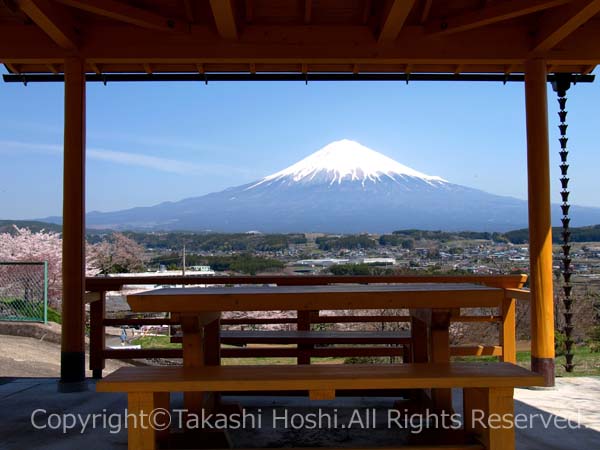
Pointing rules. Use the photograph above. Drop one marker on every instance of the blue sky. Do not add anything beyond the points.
(152, 142)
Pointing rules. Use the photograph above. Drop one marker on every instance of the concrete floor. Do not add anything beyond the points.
(574, 398)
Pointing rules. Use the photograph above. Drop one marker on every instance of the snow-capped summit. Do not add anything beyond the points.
(346, 160)
(344, 187)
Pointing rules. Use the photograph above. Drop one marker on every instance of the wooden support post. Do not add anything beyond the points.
(72, 364)
(141, 434)
(420, 347)
(489, 413)
(193, 356)
(201, 346)
(540, 227)
(508, 339)
(97, 335)
(431, 343)
(212, 343)
(304, 324)
(321, 394)
(439, 348)
(212, 357)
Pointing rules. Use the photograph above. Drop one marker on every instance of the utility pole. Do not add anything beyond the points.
(183, 262)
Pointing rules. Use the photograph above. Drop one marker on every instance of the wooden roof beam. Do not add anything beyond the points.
(307, 11)
(12, 68)
(495, 12)
(509, 69)
(188, 5)
(556, 25)
(366, 14)
(114, 45)
(124, 12)
(54, 20)
(395, 19)
(224, 15)
(588, 69)
(95, 67)
(426, 10)
(249, 7)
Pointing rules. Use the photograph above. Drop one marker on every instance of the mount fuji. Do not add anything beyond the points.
(344, 187)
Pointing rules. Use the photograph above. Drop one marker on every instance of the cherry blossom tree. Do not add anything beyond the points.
(118, 254)
(25, 245)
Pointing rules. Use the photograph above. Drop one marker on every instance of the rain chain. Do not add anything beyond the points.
(560, 86)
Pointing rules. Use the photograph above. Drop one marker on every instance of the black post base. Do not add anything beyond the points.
(545, 367)
(72, 372)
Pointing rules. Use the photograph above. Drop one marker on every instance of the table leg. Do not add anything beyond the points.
(489, 413)
(193, 356)
(212, 357)
(419, 338)
(201, 347)
(212, 343)
(431, 343)
(141, 435)
(304, 324)
(439, 344)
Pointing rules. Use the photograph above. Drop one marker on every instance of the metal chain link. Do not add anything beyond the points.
(24, 291)
(560, 87)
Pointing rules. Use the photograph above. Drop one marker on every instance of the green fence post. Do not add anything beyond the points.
(45, 292)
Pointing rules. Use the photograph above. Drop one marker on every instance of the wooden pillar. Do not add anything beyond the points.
(73, 312)
(540, 227)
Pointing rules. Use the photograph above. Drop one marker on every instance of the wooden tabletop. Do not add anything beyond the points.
(270, 298)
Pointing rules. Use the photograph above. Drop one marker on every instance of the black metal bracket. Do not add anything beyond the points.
(558, 79)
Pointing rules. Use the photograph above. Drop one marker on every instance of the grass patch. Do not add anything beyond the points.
(587, 363)
(162, 342)
(54, 315)
(155, 342)
(24, 310)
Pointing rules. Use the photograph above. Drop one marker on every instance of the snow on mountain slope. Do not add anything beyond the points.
(346, 160)
(344, 187)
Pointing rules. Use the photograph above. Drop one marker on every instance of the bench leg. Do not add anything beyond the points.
(141, 435)
(489, 414)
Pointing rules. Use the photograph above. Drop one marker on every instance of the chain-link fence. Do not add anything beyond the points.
(24, 291)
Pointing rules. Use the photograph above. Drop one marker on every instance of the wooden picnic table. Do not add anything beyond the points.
(431, 306)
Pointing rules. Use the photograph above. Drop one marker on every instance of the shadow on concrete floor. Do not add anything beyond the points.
(21, 397)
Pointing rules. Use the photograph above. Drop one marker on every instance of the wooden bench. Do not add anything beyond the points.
(486, 386)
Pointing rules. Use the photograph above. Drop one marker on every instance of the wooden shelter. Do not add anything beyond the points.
(298, 39)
